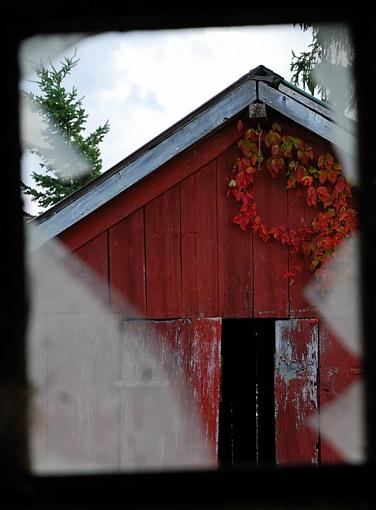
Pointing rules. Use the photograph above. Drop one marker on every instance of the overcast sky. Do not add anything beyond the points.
(143, 82)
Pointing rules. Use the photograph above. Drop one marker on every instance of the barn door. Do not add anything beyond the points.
(295, 386)
(169, 387)
(246, 431)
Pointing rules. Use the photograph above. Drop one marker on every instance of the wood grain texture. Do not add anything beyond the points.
(169, 393)
(338, 370)
(91, 269)
(295, 386)
(76, 425)
(300, 215)
(307, 117)
(174, 339)
(163, 256)
(150, 187)
(155, 427)
(127, 265)
(205, 375)
(199, 243)
(270, 259)
(235, 263)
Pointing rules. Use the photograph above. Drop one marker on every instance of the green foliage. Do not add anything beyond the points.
(332, 45)
(64, 120)
(303, 65)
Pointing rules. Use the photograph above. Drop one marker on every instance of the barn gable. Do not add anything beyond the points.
(260, 84)
(158, 229)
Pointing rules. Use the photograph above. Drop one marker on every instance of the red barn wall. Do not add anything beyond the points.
(167, 248)
(170, 248)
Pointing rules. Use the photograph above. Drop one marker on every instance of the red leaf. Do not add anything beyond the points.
(329, 160)
(311, 196)
(332, 175)
(307, 180)
(240, 125)
(324, 195)
(340, 184)
(323, 175)
(277, 233)
(300, 172)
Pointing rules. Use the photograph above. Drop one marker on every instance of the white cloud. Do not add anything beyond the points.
(143, 82)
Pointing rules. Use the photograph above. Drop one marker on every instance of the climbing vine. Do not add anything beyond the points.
(319, 174)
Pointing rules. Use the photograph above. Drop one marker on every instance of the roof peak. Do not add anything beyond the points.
(259, 84)
(262, 70)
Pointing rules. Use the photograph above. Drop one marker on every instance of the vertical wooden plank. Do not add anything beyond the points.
(205, 375)
(92, 267)
(159, 424)
(174, 340)
(338, 370)
(295, 387)
(167, 176)
(199, 243)
(74, 345)
(300, 215)
(235, 264)
(127, 265)
(163, 255)
(270, 259)
(146, 400)
(80, 413)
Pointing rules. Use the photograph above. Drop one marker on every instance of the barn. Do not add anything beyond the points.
(159, 230)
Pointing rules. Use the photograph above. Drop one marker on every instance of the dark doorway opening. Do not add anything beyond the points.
(246, 416)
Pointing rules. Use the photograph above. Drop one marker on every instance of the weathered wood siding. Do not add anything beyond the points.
(338, 370)
(172, 249)
(144, 395)
(270, 293)
(296, 371)
(167, 249)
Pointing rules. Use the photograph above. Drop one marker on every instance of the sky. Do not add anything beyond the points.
(143, 82)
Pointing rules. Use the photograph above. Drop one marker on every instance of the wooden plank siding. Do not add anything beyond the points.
(170, 388)
(295, 386)
(93, 270)
(270, 260)
(163, 256)
(235, 261)
(174, 251)
(339, 369)
(205, 375)
(127, 265)
(155, 422)
(172, 264)
(299, 215)
(199, 257)
(75, 406)
(142, 193)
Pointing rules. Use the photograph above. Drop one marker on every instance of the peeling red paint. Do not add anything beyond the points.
(296, 361)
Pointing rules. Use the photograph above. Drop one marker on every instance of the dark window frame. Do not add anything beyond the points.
(342, 487)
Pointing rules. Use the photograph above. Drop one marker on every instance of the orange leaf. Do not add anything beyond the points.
(311, 196)
(340, 184)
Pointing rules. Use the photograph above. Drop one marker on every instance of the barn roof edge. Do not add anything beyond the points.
(259, 84)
